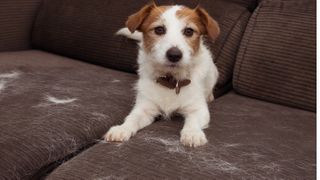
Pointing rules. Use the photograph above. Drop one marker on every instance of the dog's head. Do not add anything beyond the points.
(172, 34)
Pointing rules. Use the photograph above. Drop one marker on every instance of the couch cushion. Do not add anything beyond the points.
(85, 30)
(53, 106)
(248, 139)
(16, 19)
(277, 58)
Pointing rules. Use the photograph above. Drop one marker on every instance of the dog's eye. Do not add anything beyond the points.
(188, 32)
(160, 30)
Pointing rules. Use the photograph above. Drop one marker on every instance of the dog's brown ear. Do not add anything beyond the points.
(135, 21)
(211, 26)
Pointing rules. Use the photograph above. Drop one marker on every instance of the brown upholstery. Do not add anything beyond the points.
(35, 132)
(226, 48)
(248, 139)
(54, 108)
(277, 56)
(16, 21)
(85, 30)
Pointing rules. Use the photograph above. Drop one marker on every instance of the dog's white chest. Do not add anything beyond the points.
(167, 99)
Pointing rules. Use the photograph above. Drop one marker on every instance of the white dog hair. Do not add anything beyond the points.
(159, 29)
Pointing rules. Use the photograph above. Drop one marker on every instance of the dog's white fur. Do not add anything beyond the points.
(153, 99)
(125, 32)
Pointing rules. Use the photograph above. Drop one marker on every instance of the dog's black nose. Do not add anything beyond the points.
(174, 54)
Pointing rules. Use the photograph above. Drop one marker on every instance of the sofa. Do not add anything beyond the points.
(65, 79)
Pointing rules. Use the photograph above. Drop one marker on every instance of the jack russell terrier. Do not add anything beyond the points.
(176, 70)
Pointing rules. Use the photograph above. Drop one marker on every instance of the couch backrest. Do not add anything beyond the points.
(16, 20)
(85, 30)
(277, 58)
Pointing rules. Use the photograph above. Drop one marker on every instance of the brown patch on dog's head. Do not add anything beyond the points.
(142, 21)
(211, 26)
(147, 26)
(194, 22)
(202, 22)
(135, 21)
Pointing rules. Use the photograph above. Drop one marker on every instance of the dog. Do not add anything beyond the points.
(176, 70)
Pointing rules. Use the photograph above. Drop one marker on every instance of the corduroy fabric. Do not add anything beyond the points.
(226, 50)
(36, 127)
(16, 21)
(248, 139)
(85, 30)
(277, 58)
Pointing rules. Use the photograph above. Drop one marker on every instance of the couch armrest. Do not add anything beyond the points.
(16, 20)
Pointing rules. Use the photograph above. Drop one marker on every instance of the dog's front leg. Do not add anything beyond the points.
(141, 116)
(196, 119)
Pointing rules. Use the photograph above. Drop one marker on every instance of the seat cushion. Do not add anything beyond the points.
(85, 30)
(277, 57)
(248, 139)
(53, 106)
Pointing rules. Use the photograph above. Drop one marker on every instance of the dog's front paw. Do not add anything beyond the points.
(118, 133)
(193, 138)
